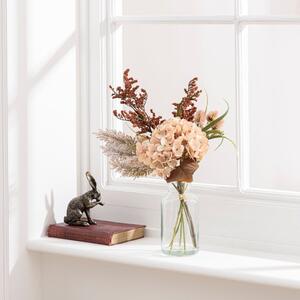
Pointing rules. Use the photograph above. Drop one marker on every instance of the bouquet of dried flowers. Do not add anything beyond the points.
(172, 148)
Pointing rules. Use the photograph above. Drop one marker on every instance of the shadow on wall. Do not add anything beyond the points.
(50, 217)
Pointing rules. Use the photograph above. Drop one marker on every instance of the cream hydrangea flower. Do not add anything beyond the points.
(172, 141)
(178, 147)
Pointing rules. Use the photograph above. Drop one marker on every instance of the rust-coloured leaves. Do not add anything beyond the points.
(186, 108)
(184, 172)
(135, 100)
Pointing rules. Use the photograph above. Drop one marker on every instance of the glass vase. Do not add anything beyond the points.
(180, 221)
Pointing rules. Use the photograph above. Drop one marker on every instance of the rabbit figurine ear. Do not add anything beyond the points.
(91, 180)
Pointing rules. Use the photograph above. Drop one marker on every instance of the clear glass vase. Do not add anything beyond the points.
(180, 221)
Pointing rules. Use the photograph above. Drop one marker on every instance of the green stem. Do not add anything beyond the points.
(190, 224)
(176, 227)
(183, 229)
(180, 230)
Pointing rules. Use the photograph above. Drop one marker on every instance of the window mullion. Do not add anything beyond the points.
(173, 19)
(241, 170)
(204, 20)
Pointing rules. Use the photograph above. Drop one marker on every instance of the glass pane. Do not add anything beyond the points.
(271, 7)
(175, 7)
(165, 57)
(274, 104)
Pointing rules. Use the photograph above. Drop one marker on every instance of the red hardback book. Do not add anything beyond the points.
(104, 232)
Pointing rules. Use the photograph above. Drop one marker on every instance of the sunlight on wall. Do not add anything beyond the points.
(42, 96)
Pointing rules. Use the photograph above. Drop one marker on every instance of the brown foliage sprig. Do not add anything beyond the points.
(186, 108)
(136, 101)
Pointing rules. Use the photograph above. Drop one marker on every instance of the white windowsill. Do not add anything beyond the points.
(146, 253)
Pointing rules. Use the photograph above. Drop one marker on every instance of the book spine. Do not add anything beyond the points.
(64, 233)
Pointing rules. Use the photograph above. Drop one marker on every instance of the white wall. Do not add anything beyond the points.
(42, 101)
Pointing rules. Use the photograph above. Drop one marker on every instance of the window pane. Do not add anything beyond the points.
(274, 104)
(271, 7)
(165, 57)
(175, 7)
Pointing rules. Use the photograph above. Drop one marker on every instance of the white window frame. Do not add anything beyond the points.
(101, 63)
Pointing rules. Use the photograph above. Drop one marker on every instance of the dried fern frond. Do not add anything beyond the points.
(129, 167)
(120, 148)
(117, 143)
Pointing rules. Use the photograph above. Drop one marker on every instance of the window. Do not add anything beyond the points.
(242, 51)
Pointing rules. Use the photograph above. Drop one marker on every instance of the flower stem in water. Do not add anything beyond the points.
(183, 213)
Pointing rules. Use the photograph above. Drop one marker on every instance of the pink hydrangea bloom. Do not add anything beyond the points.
(170, 142)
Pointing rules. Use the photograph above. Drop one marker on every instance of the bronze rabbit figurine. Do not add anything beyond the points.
(83, 204)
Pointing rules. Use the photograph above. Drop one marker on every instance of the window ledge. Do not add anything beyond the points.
(146, 253)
